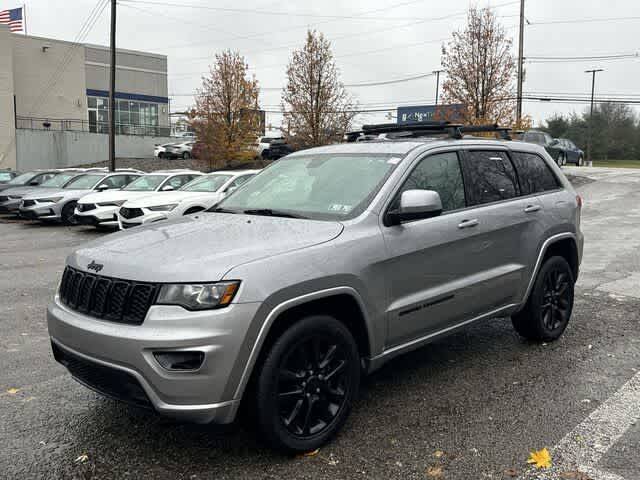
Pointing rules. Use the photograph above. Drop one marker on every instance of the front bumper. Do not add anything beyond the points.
(41, 211)
(198, 396)
(147, 217)
(103, 216)
(10, 206)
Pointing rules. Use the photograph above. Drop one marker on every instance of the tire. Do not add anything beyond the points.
(561, 159)
(66, 216)
(186, 155)
(548, 309)
(265, 154)
(307, 384)
(193, 210)
(580, 161)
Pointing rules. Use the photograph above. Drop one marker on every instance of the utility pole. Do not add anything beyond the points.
(112, 92)
(520, 62)
(593, 88)
(437, 72)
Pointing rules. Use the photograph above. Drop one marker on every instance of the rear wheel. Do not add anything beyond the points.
(580, 161)
(307, 384)
(67, 215)
(550, 303)
(186, 155)
(561, 159)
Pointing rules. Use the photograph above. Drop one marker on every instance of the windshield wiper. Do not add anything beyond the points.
(268, 212)
(221, 210)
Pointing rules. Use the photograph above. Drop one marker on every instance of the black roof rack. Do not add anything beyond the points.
(421, 129)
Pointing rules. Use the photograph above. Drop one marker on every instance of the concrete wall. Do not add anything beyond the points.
(51, 149)
(7, 125)
(36, 65)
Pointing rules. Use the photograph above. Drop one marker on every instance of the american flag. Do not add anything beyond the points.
(13, 18)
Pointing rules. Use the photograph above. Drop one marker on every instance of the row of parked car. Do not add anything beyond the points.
(125, 198)
(267, 148)
(562, 150)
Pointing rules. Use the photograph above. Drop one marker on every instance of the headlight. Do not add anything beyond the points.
(163, 208)
(111, 204)
(48, 200)
(200, 296)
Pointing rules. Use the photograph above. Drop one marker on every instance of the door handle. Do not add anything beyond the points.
(531, 208)
(468, 223)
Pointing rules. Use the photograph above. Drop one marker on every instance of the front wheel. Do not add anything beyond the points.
(307, 384)
(548, 309)
(580, 161)
(561, 159)
(186, 155)
(68, 214)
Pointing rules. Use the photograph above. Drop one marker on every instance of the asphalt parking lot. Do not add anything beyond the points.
(471, 406)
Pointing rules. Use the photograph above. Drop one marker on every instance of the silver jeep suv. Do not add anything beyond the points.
(324, 266)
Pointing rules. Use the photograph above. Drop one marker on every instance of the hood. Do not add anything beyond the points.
(199, 248)
(6, 186)
(18, 190)
(112, 196)
(56, 192)
(162, 198)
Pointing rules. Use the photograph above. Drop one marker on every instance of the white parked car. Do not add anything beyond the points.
(202, 193)
(264, 143)
(159, 150)
(179, 150)
(101, 209)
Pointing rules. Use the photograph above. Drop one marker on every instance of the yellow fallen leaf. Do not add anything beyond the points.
(312, 453)
(437, 453)
(82, 458)
(434, 472)
(540, 459)
(13, 391)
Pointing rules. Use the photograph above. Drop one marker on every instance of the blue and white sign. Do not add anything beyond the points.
(426, 113)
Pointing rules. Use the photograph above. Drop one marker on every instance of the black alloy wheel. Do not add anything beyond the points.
(546, 314)
(307, 384)
(555, 308)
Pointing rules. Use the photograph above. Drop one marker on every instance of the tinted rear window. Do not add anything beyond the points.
(534, 174)
(488, 177)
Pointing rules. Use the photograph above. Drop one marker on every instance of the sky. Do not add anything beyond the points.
(372, 41)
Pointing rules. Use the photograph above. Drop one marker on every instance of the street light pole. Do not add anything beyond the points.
(590, 127)
(520, 60)
(112, 91)
(437, 72)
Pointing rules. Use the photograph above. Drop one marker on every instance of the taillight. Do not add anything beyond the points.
(579, 201)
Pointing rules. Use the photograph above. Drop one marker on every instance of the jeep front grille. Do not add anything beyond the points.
(112, 299)
(131, 212)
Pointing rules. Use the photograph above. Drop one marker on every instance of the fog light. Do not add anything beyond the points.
(179, 361)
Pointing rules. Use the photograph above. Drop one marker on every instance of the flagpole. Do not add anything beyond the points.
(24, 17)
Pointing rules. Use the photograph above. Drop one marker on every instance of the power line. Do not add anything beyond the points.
(583, 20)
(264, 12)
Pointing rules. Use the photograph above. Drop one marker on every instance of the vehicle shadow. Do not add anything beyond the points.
(420, 385)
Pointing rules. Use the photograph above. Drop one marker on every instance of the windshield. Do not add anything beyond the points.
(146, 183)
(206, 183)
(84, 182)
(24, 178)
(59, 180)
(5, 176)
(320, 187)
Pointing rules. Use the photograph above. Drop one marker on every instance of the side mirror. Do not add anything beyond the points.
(231, 190)
(34, 183)
(102, 187)
(416, 205)
(554, 142)
(167, 188)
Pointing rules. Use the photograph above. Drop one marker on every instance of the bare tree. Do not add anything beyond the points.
(318, 109)
(226, 115)
(480, 70)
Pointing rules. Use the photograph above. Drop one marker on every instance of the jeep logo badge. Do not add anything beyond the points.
(95, 266)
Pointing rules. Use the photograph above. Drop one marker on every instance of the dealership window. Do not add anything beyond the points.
(132, 117)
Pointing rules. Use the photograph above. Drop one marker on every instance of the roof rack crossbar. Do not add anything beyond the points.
(453, 130)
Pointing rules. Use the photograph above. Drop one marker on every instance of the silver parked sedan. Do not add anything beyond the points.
(58, 205)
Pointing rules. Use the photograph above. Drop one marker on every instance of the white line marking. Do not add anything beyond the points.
(587, 443)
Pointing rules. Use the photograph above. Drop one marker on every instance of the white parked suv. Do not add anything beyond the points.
(101, 210)
(200, 194)
(179, 150)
